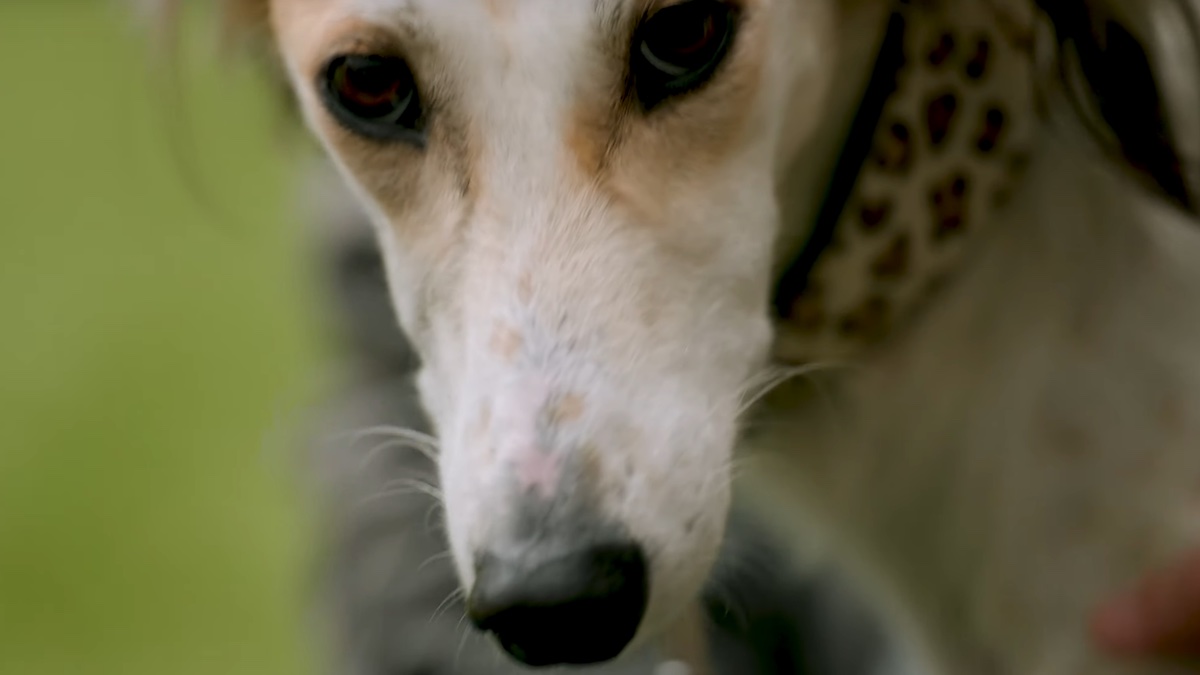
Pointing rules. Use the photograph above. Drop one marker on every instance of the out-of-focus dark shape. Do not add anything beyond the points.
(1137, 69)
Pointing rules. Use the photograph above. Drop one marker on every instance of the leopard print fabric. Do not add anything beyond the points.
(953, 126)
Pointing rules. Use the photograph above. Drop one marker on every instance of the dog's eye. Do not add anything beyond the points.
(679, 47)
(374, 96)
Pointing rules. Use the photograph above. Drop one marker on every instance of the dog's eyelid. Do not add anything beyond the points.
(659, 5)
(358, 45)
(393, 39)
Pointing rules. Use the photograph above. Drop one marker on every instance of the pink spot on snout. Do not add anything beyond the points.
(540, 471)
(534, 467)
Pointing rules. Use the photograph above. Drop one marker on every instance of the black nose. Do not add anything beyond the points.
(580, 608)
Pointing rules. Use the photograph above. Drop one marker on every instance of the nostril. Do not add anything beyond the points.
(580, 608)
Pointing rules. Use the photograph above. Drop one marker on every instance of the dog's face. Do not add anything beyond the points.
(576, 200)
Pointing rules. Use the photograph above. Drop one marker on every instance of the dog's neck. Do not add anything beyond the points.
(925, 129)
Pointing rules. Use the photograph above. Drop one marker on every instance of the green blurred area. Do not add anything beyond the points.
(150, 343)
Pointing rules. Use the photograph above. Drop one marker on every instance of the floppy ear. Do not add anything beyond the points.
(241, 15)
(240, 22)
(242, 32)
(245, 21)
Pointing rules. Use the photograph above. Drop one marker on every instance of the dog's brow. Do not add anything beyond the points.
(612, 12)
(385, 11)
(608, 8)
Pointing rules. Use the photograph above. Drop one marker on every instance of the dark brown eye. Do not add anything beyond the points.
(679, 47)
(374, 96)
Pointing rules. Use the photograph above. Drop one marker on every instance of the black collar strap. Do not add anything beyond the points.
(939, 137)
(882, 85)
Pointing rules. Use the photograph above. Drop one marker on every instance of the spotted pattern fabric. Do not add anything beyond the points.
(948, 142)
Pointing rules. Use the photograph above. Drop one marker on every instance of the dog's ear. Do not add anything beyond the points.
(245, 20)
(242, 33)
(244, 14)
(242, 24)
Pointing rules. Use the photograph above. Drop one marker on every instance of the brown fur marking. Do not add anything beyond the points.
(568, 409)
(507, 342)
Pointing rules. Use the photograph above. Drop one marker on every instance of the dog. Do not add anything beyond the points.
(588, 210)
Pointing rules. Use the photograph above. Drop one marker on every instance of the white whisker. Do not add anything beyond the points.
(417, 437)
(729, 602)
(400, 487)
(405, 443)
(436, 557)
(418, 485)
(429, 514)
(462, 644)
(445, 604)
(770, 378)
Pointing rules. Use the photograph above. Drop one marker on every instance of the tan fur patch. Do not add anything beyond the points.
(500, 10)
(587, 139)
(434, 188)
(638, 156)
(525, 287)
(507, 342)
(569, 409)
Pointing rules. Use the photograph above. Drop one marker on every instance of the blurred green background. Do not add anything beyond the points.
(155, 332)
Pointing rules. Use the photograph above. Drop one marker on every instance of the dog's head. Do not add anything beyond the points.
(576, 200)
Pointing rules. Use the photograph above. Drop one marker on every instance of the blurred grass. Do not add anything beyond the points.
(148, 345)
